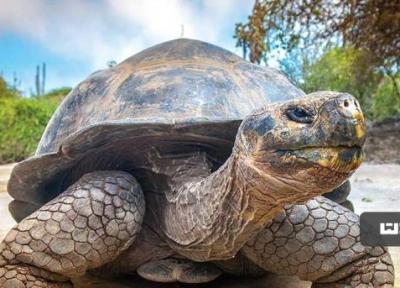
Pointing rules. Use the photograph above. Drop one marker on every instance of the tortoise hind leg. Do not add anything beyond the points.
(86, 226)
(179, 270)
(19, 209)
(240, 265)
(320, 242)
(340, 194)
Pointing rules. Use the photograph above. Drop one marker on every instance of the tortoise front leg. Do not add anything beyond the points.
(86, 226)
(320, 242)
(340, 194)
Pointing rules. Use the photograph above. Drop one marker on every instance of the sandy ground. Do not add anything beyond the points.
(375, 187)
(6, 222)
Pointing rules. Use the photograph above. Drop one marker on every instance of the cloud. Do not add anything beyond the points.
(99, 31)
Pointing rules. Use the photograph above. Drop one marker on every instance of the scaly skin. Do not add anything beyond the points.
(88, 225)
(320, 242)
(21, 276)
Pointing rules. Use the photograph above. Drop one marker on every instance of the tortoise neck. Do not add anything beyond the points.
(188, 169)
(212, 217)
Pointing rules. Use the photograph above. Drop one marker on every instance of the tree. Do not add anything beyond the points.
(250, 36)
(368, 29)
(371, 25)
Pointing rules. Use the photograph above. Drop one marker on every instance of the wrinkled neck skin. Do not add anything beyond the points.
(209, 216)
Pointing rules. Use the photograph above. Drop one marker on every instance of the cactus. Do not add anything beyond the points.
(43, 77)
(40, 80)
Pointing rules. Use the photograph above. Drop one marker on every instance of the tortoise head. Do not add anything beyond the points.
(310, 143)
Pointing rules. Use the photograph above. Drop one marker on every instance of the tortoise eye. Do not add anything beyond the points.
(300, 115)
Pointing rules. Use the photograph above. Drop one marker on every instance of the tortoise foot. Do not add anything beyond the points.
(85, 227)
(24, 276)
(179, 270)
(319, 241)
(375, 269)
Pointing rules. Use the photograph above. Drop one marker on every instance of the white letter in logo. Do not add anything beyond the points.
(389, 228)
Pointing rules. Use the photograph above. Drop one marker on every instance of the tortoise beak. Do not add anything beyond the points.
(339, 159)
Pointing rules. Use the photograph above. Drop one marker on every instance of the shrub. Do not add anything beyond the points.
(6, 91)
(56, 95)
(22, 121)
(386, 102)
(344, 70)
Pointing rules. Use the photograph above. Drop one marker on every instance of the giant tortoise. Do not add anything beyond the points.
(184, 162)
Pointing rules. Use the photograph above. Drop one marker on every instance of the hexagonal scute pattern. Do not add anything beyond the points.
(21, 276)
(88, 225)
(319, 241)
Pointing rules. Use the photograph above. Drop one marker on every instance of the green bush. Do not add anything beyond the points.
(22, 121)
(386, 102)
(56, 95)
(6, 91)
(343, 70)
(350, 70)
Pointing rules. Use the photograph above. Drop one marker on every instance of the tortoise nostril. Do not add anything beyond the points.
(348, 106)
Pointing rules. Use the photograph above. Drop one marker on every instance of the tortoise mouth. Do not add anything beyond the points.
(344, 159)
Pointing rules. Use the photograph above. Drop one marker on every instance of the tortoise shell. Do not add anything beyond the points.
(181, 95)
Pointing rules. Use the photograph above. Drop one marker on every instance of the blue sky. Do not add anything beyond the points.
(77, 37)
